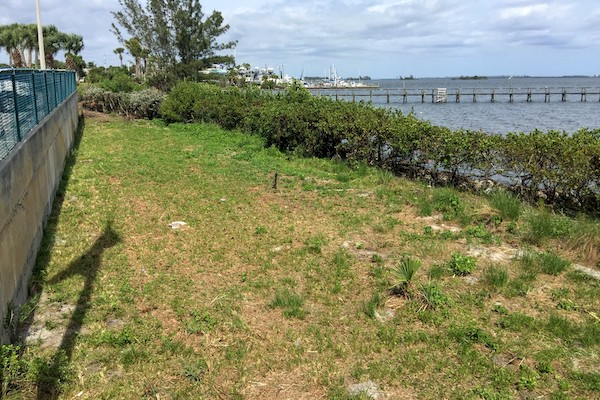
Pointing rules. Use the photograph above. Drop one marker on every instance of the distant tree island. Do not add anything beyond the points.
(470, 78)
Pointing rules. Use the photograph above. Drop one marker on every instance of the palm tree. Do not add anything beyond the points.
(119, 51)
(54, 41)
(137, 51)
(30, 42)
(10, 42)
(73, 45)
(5, 41)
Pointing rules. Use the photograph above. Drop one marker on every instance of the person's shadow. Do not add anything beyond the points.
(87, 265)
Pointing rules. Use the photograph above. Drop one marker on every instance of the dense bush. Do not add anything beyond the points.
(141, 104)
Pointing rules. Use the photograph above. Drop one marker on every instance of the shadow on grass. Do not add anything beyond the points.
(87, 265)
(50, 375)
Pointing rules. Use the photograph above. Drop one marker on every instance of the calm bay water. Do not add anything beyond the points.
(501, 116)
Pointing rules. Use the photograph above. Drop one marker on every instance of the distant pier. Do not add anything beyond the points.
(457, 95)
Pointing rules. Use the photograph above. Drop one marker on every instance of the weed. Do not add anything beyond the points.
(552, 264)
(492, 394)
(473, 334)
(516, 322)
(544, 367)
(561, 327)
(495, 277)
(117, 339)
(527, 378)
(589, 333)
(291, 303)
(260, 230)
(195, 370)
(544, 225)
(500, 309)
(376, 258)
(425, 207)
(585, 240)
(403, 274)
(519, 287)
(384, 177)
(314, 244)
(200, 323)
(461, 264)
(340, 269)
(11, 367)
(567, 305)
(437, 271)
(510, 207)
(49, 374)
(480, 232)
(432, 296)
(448, 203)
(386, 226)
(373, 304)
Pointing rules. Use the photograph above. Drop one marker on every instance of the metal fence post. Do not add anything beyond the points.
(47, 95)
(14, 87)
(35, 106)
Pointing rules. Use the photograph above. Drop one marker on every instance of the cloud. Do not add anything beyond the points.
(433, 37)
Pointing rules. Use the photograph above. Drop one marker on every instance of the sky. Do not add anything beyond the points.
(378, 38)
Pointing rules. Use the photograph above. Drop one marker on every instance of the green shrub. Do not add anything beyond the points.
(145, 103)
(461, 264)
(180, 103)
(120, 83)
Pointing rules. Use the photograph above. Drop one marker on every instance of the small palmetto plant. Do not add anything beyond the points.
(403, 275)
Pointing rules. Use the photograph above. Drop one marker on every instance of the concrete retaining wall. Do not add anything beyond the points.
(29, 177)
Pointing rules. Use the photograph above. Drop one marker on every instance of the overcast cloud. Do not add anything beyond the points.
(380, 38)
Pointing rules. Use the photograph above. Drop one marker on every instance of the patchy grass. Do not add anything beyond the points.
(285, 293)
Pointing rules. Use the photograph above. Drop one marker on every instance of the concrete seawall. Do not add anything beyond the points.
(29, 178)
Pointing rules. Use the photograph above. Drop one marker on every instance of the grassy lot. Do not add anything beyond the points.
(337, 276)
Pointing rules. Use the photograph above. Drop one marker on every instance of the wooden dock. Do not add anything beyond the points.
(457, 95)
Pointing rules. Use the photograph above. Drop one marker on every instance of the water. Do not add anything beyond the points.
(501, 116)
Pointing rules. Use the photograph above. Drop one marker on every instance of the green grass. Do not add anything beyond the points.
(274, 293)
(509, 207)
(291, 303)
(496, 277)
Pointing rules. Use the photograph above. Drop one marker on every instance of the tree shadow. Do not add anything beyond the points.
(36, 282)
(50, 375)
(87, 265)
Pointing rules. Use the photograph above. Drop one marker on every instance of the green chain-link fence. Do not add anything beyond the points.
(26, 97)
